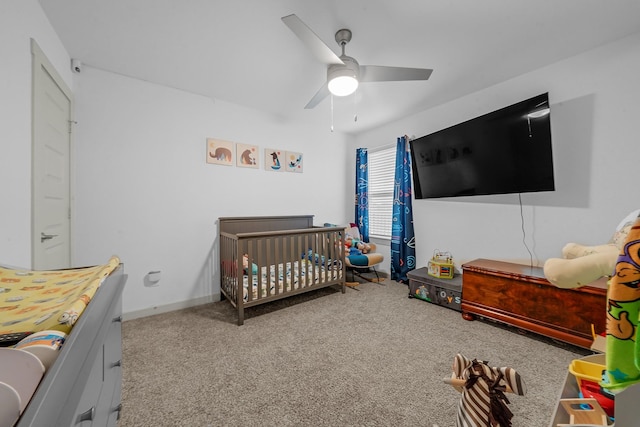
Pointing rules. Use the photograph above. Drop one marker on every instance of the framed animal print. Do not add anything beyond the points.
(247, 156)
(293, 162)
(220, 152)
(273, 160)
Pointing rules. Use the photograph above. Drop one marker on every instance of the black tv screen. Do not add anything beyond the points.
(505, 151)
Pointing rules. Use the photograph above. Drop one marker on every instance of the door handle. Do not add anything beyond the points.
(44, 237)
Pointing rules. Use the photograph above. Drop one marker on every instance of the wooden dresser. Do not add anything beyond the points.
(521, 296)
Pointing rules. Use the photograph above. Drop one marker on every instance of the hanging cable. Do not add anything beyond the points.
(331, 112)
(524, 234)
(355, 106)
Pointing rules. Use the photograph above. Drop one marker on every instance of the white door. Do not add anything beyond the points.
(51, 183)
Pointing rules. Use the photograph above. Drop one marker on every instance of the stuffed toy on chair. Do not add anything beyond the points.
(355, 246)
(581, 265)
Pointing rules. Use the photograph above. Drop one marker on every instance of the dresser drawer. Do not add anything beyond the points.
(112, 373)
(86, 409)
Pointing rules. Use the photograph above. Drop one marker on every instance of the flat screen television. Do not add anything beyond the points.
(505, 151)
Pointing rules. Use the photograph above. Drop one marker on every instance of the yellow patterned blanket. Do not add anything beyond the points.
(32, 301)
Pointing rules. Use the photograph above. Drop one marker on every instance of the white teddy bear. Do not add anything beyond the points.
(581, 265)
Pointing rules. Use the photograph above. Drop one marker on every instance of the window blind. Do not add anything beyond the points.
(381, 177)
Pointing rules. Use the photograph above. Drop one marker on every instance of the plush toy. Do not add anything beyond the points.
(623, 312)
(352, 243)
(350, 247)
(483, 402)
(245, 265)
(364, 247)
(581, 265)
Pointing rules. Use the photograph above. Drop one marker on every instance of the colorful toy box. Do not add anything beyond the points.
(440, 291)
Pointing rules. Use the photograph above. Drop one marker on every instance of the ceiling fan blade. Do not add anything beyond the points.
(378, 73)
(311, 40)
(321, 94)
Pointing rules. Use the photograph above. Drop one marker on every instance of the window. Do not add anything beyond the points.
(382, 168)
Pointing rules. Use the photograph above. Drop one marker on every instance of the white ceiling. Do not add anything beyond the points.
(239, 51)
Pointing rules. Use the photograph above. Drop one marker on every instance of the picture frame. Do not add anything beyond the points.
(247, 156)
(293, 162)
(220, 152)
(274, 160)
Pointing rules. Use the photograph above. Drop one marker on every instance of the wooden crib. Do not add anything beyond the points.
(264, 259)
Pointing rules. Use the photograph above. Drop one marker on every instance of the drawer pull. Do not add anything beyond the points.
(116, 363)
(88, 415)
(118, 409)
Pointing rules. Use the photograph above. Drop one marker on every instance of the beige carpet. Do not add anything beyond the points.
(370, 357)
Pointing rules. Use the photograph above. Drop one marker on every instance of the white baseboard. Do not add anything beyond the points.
(170, 307)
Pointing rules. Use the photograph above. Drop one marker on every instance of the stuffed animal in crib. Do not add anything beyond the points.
(483, 402)
(245, 265)
(581, 265)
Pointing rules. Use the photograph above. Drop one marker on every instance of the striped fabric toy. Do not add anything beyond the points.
(483, 402)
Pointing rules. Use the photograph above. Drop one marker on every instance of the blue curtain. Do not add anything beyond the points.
(362, 190)
(403, 249)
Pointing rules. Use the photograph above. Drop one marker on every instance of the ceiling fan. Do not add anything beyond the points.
(343, 72)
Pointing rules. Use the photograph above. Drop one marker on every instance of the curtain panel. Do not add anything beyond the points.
(403, 251)
(362, 193)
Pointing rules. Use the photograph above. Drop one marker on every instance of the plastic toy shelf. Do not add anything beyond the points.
(626, 412)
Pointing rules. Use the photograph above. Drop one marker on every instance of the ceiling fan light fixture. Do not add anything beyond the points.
(343, 85)
(343, 79)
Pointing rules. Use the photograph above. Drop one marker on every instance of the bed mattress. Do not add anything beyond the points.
(287, 276)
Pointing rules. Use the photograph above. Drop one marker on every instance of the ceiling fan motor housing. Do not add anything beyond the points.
(350, 68)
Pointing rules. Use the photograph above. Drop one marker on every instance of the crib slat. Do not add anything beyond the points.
(287, 262)
(295, 247)
(317, 271)
(309, 264)
(322, 269)
(256, 253)
(249, 251)
(301, 246)
(275, 259)
(333, 250)
(328, 256)
(266, 255)
(265, 249)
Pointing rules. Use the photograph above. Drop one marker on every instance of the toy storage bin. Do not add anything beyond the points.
(443, 292)
(626, 400)
(589, 370)
(588, 374)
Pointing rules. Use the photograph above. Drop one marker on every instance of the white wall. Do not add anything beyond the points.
(20, 20)
(145, 193)
(595, 111)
